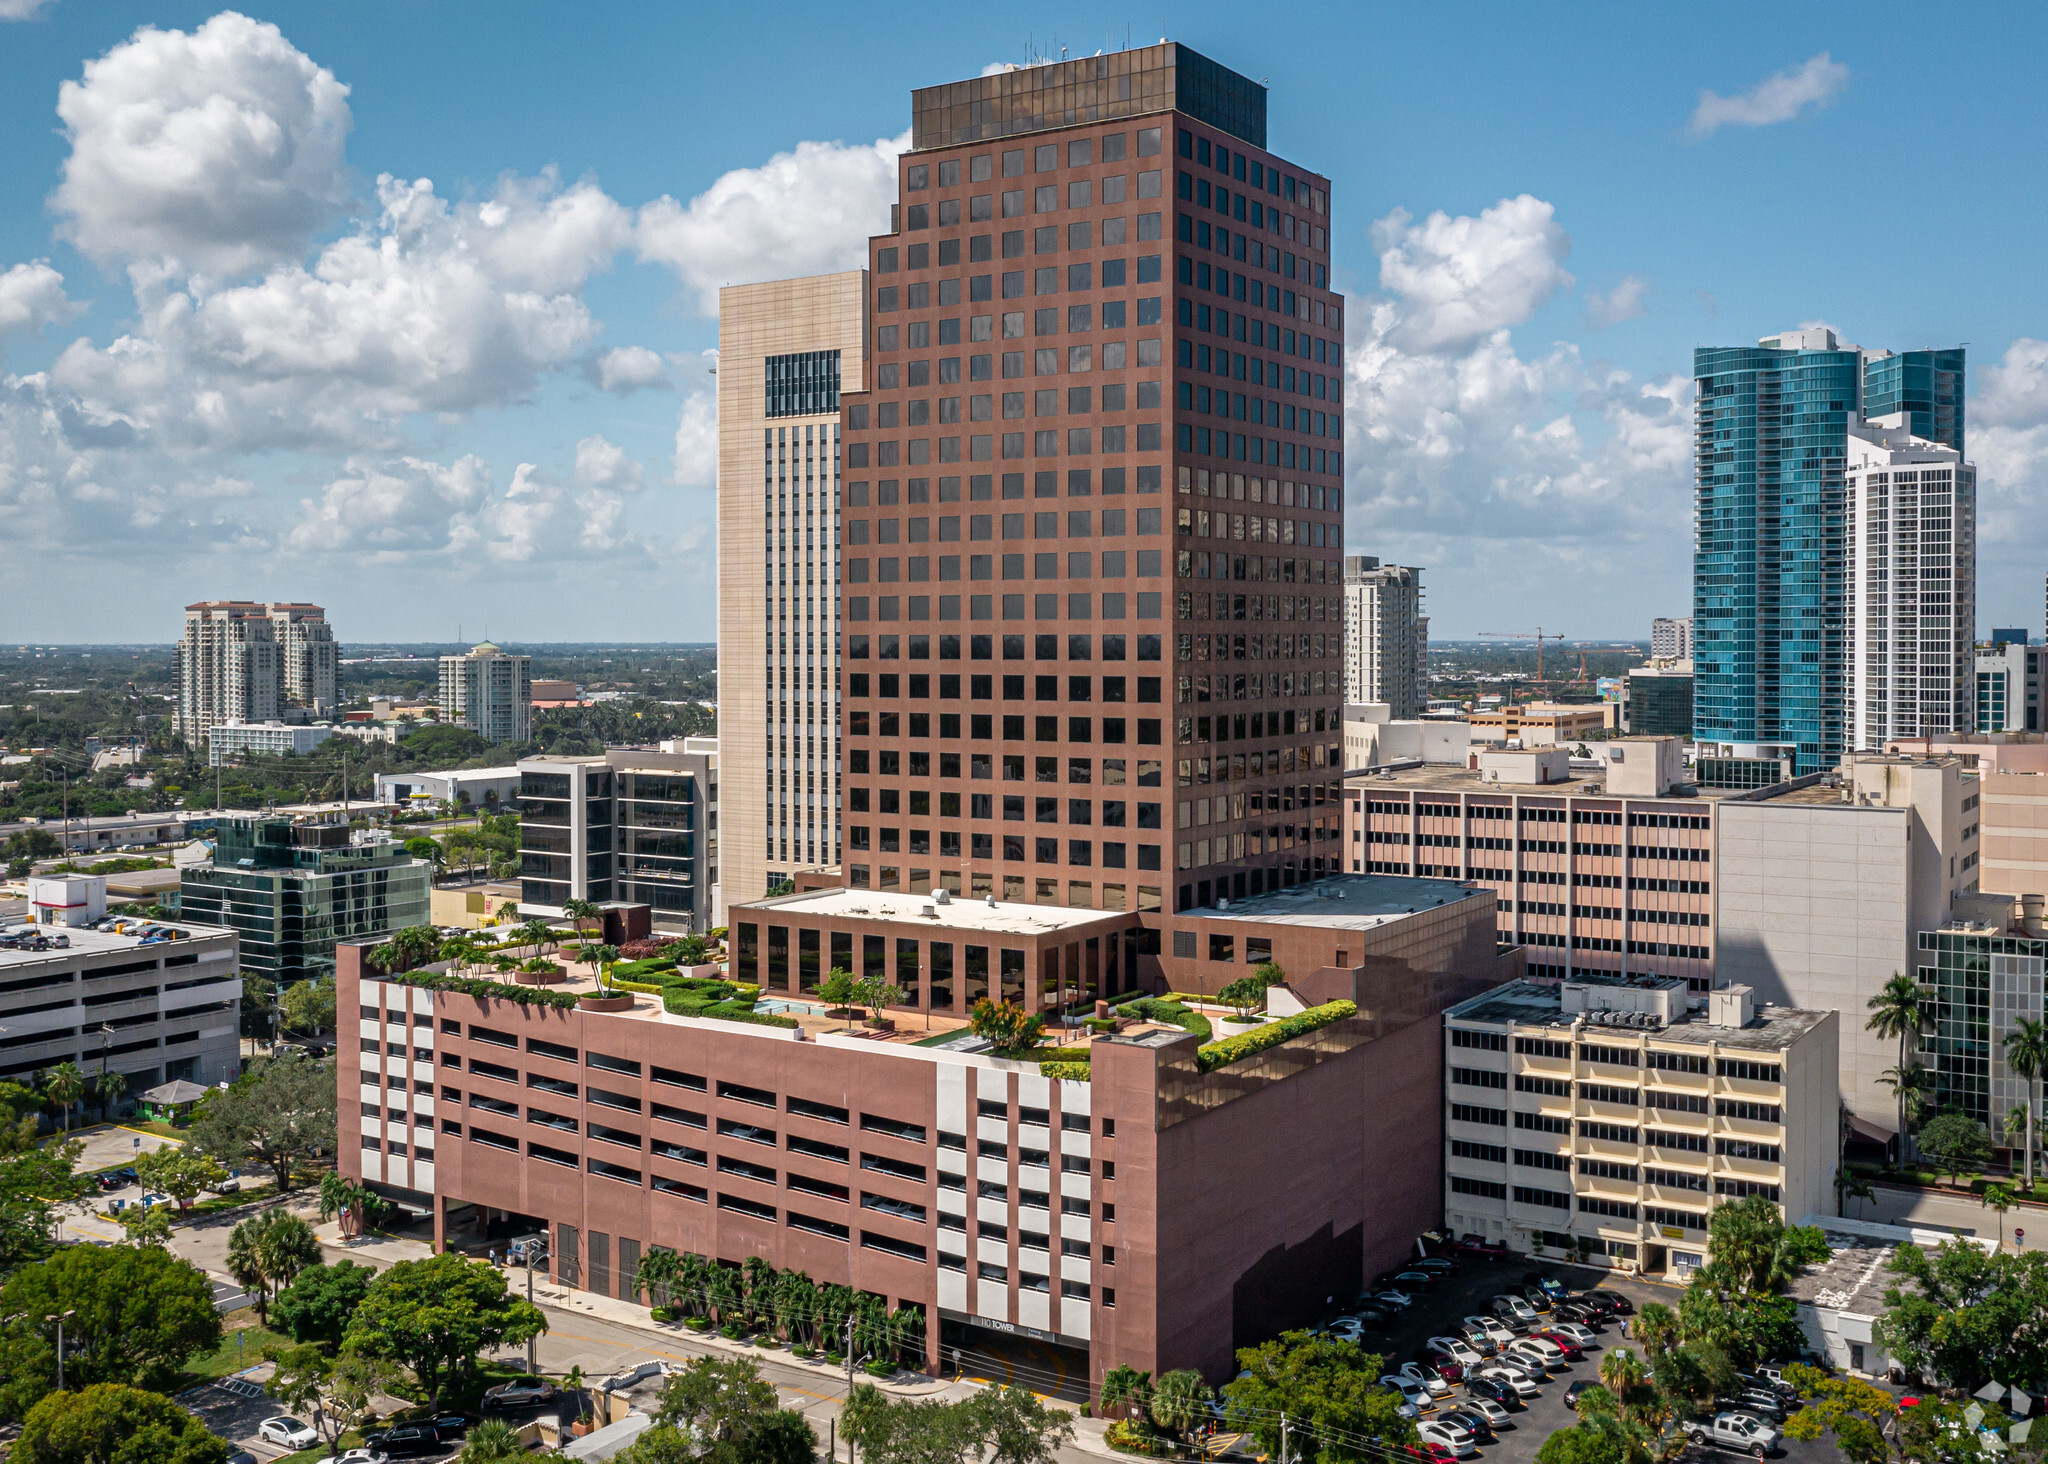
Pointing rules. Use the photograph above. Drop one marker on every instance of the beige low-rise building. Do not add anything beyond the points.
(1544, 724)
(1607, 1120)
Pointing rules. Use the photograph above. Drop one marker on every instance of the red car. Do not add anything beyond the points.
(1444, 1366)
(1432, 1453)
(1475, 1245)
(1571, 1350)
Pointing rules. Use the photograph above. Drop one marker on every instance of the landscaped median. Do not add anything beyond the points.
(1073, 1063)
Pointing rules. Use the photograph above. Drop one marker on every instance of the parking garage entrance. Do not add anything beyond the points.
(987, 1351)
(480, 1230)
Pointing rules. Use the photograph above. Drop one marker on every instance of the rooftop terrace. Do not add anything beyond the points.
(988, 917)
(1345, 902)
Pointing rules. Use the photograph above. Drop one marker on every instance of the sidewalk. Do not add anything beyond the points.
(384, 1251)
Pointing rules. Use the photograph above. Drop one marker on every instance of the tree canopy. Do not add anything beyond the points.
(140, 1313)
(1329, 1390)
(437, 1316)
(1967, 1317)
(280, 1114)
(109, 1423)
(317, 1305)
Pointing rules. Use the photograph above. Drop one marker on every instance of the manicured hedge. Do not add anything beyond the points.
(486, 990)
(1169, 1013)
(1076, 1072)
(1272, 1034)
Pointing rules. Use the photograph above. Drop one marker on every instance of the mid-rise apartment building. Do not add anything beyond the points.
(634, 826)
(1671, 638)
(308, 659)
(1385, 655)
(111, 1000)
(1771, 575)
(1911, 508)
(2008, 687)
(1091, 520)
(227, 666)
(1607, 1120)
(228, 741)
(787, 349)
(291, 888)
(489, 692)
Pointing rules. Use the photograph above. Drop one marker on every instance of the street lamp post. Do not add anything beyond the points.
(534, 1257)
(60, 1318)
(106, 1036)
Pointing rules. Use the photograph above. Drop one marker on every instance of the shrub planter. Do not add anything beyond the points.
(804, 1350)
(882, 1024)
(621, 1003)
(881, 1369)
(540, 978)
(697, 1324)
(1243, 1021)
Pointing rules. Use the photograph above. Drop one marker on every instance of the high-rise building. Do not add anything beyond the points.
(227, 666)
(1092, 518)
(1911, 509)
(1384, 653)
(1671, 639)
(2009, 687)
(489, 692)
(1422, 658)
(786, 351)
(308, 658)
(1770, 570)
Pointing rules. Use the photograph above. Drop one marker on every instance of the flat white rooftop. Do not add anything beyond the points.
(1346, 902)
(993, 917)
(102, 942)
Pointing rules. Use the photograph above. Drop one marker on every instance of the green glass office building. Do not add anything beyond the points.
(1770, 566)
(292, 890)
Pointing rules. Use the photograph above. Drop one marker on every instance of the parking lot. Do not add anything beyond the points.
(1469, 1291)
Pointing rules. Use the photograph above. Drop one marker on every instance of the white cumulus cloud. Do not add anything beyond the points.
(1777, 98)
(629, 369)
(21, 9)
(220, 150)
(1462, 279)
(32, 297)
(803, 212)
(1628, 300)
(695, 463)
(396, 505)
(605, 466)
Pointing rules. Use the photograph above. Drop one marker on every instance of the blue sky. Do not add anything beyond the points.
(483, 403)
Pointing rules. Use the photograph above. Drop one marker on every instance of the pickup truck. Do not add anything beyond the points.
(1738, 1431)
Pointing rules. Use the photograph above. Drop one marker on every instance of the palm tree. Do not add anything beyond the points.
(1898, 1012)
(2026, 1054)
(1622, 1371)
(1657, 1328)
(1912, 1083)
(63, 1085)
(656, 1276)
(538, 934)
(1853, 1186)
(111, 1086)
(2000, 1197)
(580, 912)
(572, 1384)
(600, 958)
(489, 1442)
(1124, 1387)
(1180, 1400)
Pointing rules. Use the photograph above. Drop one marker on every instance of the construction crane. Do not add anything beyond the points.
(1537, 635)
(1585, 651)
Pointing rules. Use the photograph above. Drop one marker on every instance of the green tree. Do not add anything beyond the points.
(317, 1304)
(1967, 1318)
(34, 1181)
(600, 959)
(335, 1391)
(877, 994)
(1245, 993)
(2000, 1197)
(108, 1088)
(437, 1316)
(1955, 1142)
(1898, 1013)
(150, 1226)
(538, 934)
(1180, 1400)
(581, 914)
(1327, 1387)
(1123, 1386)
(1754, 1249)
(267, 1251)
(259, 1006)
(177, 1171)
(838, 988)
(109, 1423)
(1857, 1414)
(2026, 1054)
(733, 1414)
(280, 1115)
(139, 1314)
(309, 1006)
(909, 1432)
(1017, 1427)
(64, 1085)
(1008, 1027)
(422, 847)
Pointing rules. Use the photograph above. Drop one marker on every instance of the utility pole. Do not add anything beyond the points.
(534, 1256)
(850, 1458)
(1283, 1438)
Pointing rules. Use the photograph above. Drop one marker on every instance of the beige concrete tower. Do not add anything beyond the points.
(787, 349)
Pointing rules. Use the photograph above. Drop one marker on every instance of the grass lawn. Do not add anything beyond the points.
(228, 1359)
(249, 1195)
(154, 1126)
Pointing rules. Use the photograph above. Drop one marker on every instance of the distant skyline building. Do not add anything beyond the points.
(1385, 655)
(227, 666)
(2008, 688)
(1771, 577)
(1912, 541)
(787, 349)
(307, 657)
(1671, 639)
(489, 692)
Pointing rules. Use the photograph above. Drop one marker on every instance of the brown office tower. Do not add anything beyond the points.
(1089, 616)
(1093, 523)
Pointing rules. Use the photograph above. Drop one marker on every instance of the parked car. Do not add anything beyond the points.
(1495, 1392)
(1345, 1329)
(1537, 1298)
(288, 1433)
(1582, 1335)
(1432, 1454)
(1415, 1398)
(1514, 1311)
(1413, 1280)
(363, 1456)
(1488, 1407)
(1458, 1350)
(1513, 1379)
(1564, 1342)
(452, 1425)
(1398, 1300)
(1737, 1431)
(1415, 1373)
(1617, 1305)
(1472, 1421)
(1578, 1312)
(1442, 1264)
(115, 1179)
(1555, 1289)
(1544, 1354)
(406, 1439)
(519, 1393)
(1373, 1316)
(1578, 1386)
(1771, 1378)
(1458, 1440)
(1478, 1339)
(1496, 1331)
(1443, 1365)
(1762, 1402)
(1479, 1245)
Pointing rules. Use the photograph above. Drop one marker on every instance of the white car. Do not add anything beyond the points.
(1346, 1329)
(1523, 1385)
(1391, 1297)
(1449, 1435)
(364, 1456)
(1458, 1350)
(1535, 1349)
(1579, 1334)
(1435, 1386)
(289, 1433)
(1497, 1331)
(1413, 1395)
(1486, 1408)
